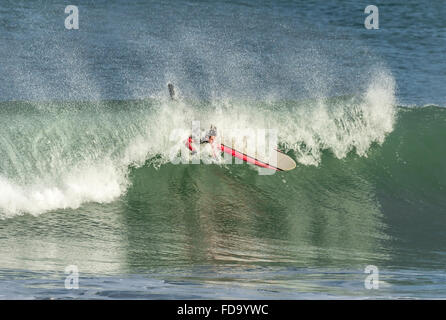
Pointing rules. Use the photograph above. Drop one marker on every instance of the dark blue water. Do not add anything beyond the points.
(85, 178)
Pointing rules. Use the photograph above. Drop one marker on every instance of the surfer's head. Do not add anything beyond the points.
(212, 133)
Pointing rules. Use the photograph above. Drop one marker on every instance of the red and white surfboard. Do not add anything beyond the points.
(275, 160)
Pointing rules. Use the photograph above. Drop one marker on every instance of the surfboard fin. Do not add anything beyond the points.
(171, 91)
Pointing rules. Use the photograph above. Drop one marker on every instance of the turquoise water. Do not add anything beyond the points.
(87, 138)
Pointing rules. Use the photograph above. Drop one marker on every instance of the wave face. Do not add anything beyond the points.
(62, 155)
(57, 155)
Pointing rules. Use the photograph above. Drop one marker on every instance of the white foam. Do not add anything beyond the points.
(99, 183)
(352, 125)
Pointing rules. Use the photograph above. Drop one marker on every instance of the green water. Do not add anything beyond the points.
(224, 226)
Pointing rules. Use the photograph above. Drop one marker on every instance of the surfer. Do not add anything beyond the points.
(208, 138)
(210, 135)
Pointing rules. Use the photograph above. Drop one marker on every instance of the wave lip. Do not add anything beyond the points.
(341, 125)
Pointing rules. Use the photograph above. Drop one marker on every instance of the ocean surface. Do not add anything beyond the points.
(88, 136)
